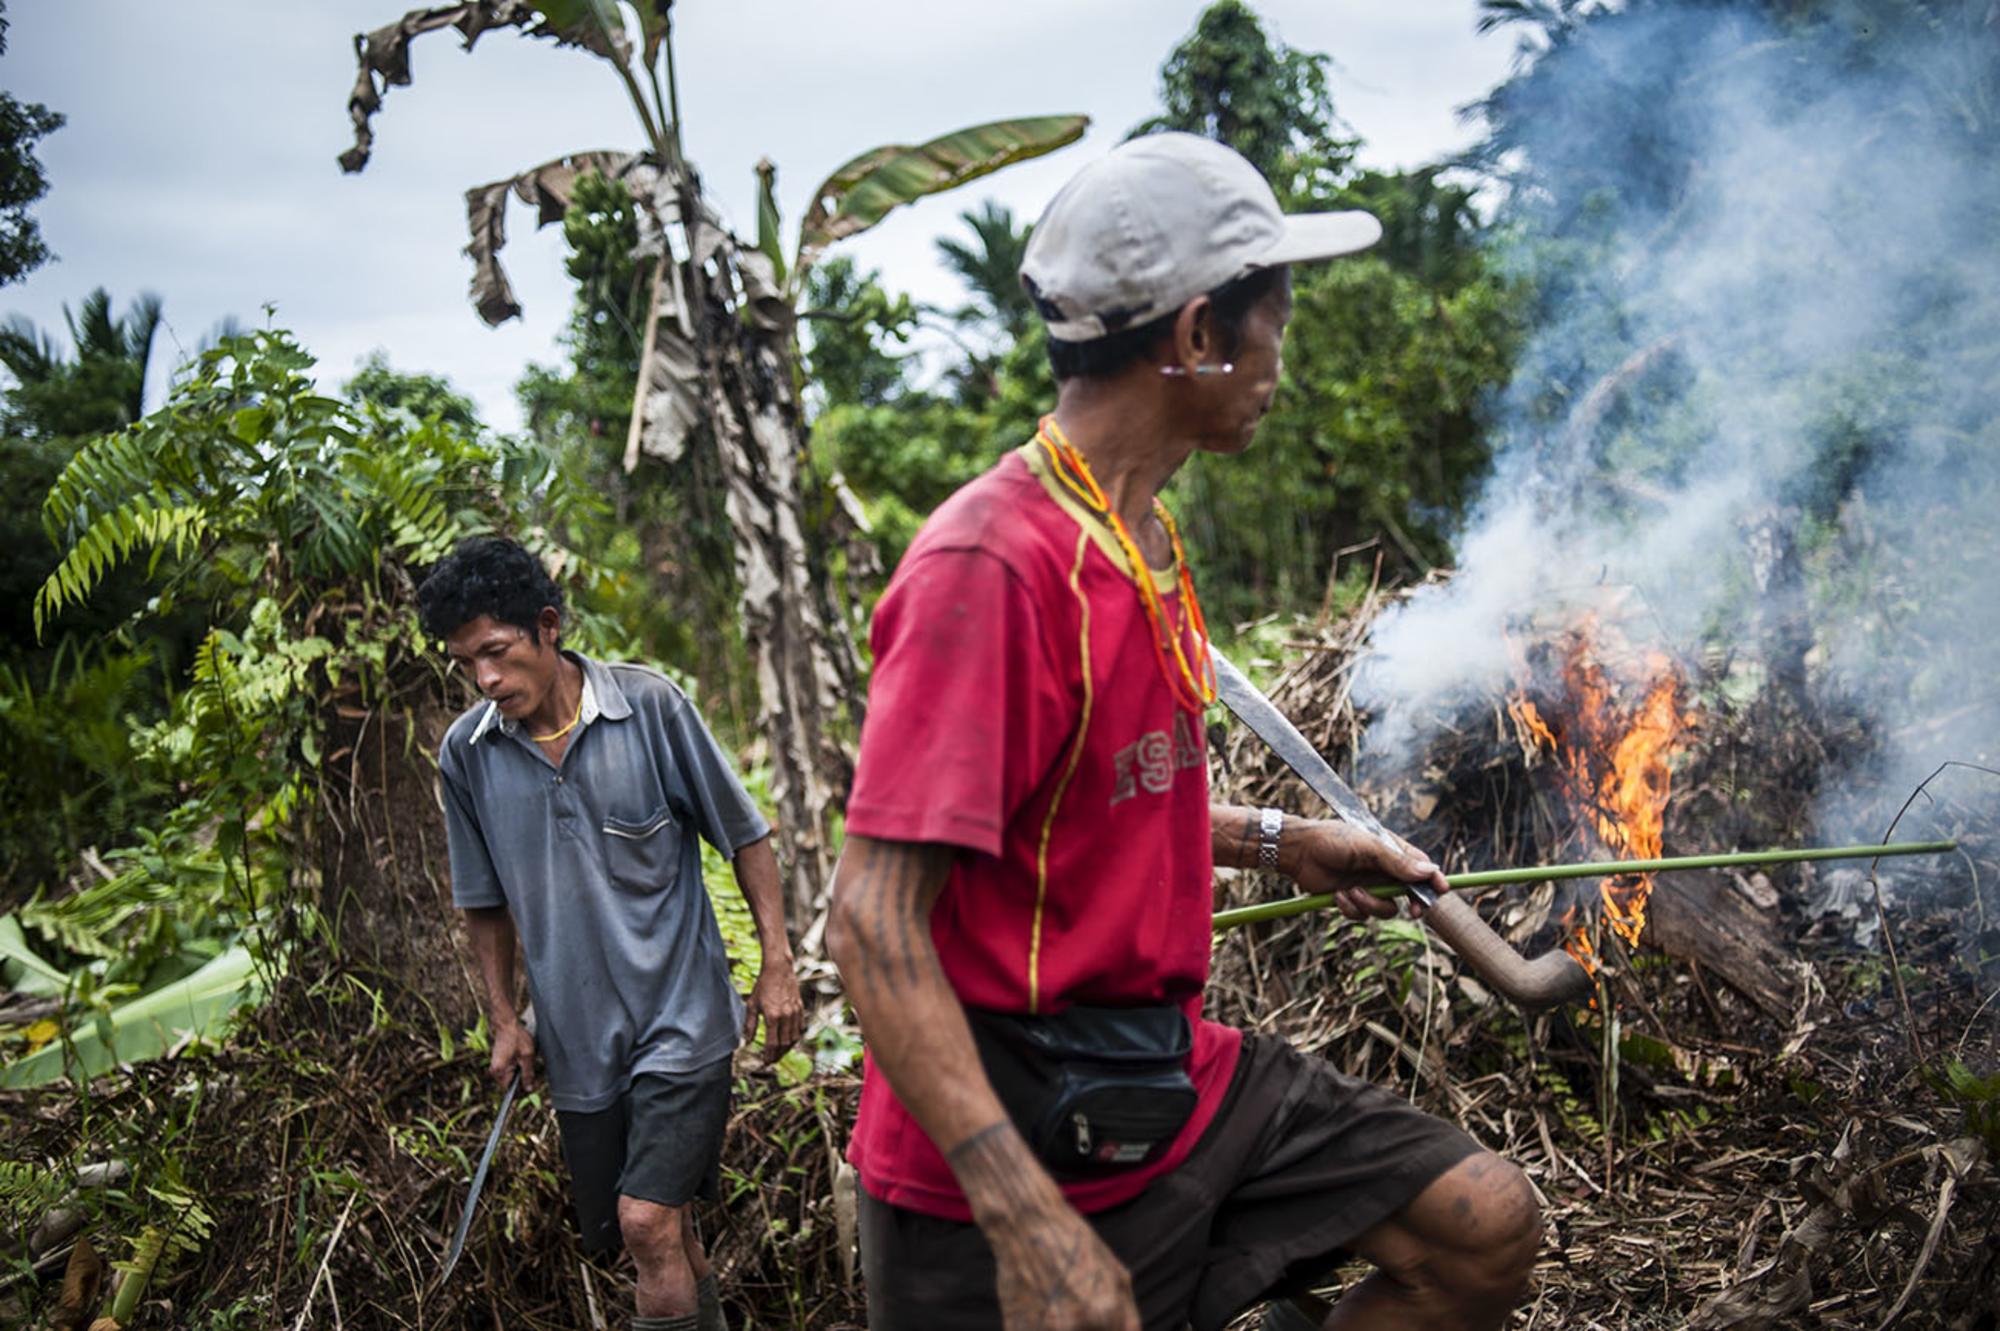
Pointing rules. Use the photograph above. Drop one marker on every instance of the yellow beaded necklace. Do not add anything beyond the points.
(1194, 688)
(551, 738)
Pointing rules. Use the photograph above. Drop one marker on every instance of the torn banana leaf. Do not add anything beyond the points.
(868, 188)
(547, 189)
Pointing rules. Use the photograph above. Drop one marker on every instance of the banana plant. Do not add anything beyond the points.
(719, 354)
(146, 1027)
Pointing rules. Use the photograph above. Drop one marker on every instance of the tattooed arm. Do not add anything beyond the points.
(1054, 1272)
(1323, 855)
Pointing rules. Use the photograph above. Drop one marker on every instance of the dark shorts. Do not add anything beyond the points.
(661, 1142)
(1299, 1162)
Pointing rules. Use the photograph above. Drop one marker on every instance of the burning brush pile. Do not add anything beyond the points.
(1764, 1116)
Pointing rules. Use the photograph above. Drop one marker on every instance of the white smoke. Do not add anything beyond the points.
(1781, 313)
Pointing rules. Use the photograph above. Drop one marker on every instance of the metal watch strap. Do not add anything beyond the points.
(1270, 823)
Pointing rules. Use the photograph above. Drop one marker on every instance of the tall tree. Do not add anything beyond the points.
(718, 361)
(22, 182)
(1229, 80)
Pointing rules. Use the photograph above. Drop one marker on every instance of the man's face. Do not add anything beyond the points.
(512, 667)
(1239, 400)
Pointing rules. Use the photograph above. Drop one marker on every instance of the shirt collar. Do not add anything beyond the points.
(601, 698)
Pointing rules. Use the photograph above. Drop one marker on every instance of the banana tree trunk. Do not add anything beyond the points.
(719, 372)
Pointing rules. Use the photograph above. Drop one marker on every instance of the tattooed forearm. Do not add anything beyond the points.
(879, 936)
(1053, 1269)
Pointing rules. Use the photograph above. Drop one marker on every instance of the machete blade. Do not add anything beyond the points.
(1258, 712)
(479, 1179)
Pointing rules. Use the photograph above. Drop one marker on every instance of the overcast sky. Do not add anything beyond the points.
(198, 161)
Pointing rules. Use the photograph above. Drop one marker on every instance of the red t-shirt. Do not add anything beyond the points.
(1017, 711)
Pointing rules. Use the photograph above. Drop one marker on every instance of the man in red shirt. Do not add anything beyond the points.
(1050, 1135)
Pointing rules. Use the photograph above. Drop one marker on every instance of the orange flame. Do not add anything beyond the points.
(1615, 763)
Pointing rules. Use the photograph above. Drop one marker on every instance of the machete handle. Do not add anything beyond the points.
(1552, 978)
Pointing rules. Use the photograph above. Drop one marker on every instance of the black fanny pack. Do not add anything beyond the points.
(1094, 1090)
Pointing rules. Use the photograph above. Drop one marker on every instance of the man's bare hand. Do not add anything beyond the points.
(1054, 1273)
(1324, 855)
(1057, 1275)
(775, 998)
(513, 1048)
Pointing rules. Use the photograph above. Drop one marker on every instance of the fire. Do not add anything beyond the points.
(1614, 759)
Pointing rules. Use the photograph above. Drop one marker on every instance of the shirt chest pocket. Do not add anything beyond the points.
(642, 855)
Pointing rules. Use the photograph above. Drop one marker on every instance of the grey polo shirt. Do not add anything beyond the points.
(598, 864)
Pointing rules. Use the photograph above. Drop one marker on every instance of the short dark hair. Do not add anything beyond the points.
(486, 575)
(1112, 354)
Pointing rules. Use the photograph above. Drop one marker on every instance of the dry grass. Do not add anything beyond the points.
(1705, 1162)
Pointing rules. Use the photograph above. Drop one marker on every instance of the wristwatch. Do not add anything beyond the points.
(1270, 822)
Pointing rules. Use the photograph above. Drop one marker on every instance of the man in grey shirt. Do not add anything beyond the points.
(573, 797)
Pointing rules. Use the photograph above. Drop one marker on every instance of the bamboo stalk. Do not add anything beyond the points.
(1271, 910)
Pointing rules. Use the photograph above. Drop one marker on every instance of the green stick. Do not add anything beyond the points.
(1271, 910)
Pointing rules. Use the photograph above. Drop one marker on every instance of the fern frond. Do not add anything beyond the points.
(109, 540)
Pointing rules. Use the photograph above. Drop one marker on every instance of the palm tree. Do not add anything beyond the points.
(990, 265)
(100, 388)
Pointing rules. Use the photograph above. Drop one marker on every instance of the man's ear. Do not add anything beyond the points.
(1194, 333)
(548, 627)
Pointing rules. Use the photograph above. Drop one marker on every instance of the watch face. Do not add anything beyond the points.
(1270, 823)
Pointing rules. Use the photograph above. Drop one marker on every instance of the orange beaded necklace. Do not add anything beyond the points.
(1193, 686)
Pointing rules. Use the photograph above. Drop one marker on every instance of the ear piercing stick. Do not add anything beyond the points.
(1181, 371)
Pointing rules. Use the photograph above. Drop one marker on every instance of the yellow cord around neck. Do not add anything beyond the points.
(1194, 689)
(550, 738)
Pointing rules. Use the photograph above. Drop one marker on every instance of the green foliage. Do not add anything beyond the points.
(420, 397)
(732, 912)
(906, 455)
(863, 191)
(852, 323)
(1376, 436)
(1976, 1095)
(1375, 430)
(59, 398)
(27, 1190)
(270, 481)
(664, 588)
(1230, 81)
(71, 773)
(294, 521)
(186, 1224)
(1430, 228)
(206, 872)
(101, 386)
(990, 267)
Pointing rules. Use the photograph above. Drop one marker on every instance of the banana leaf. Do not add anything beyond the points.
(867, 189)
(22, 969)
(596, 25)
(146, 1027)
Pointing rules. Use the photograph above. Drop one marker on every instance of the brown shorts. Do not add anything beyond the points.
(1299, 1161)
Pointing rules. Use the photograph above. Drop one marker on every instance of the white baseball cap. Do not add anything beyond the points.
(1162, 219)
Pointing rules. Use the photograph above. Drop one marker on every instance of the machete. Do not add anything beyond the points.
(1552, 978)
(479, 1179)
